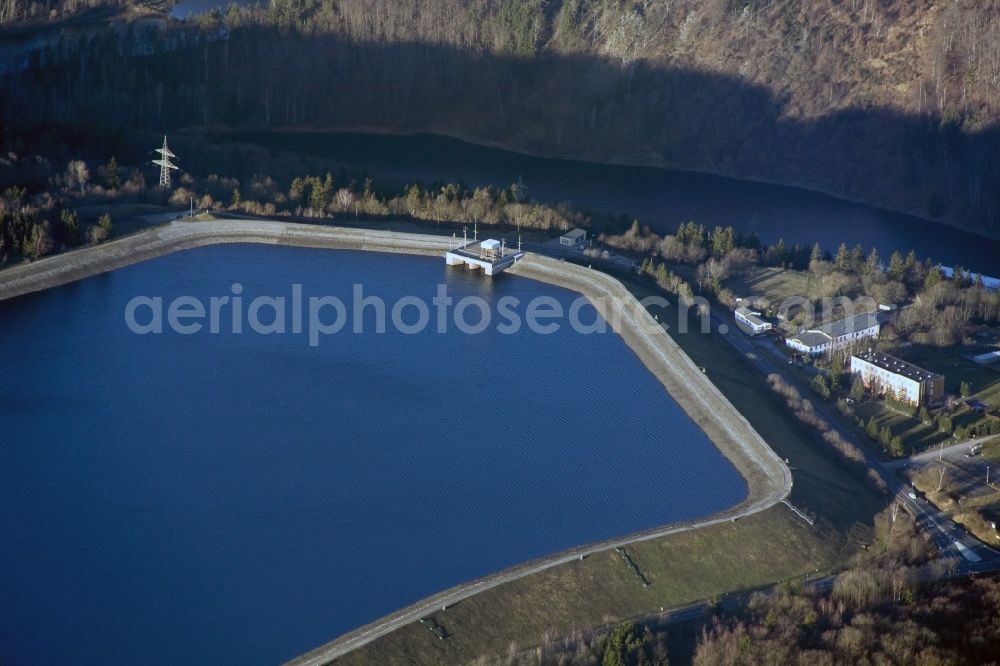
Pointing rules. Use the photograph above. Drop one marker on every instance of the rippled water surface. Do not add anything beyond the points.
(243, 498)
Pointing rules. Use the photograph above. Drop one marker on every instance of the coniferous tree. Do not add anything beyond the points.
(70, 226)
(857, 390)
(857, 258)
(897, 268)
(933, 277)
(872, 263)
(843, 260)
(836, 370)
(100, 231)
(112, 176)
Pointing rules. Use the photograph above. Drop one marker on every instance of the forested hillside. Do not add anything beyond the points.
(892, 102)
(14, 11)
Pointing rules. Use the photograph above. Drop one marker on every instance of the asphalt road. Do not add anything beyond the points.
(965, 474)
(950, 452)
(946, 534)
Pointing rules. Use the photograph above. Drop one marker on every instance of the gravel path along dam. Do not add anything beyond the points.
(768, 478)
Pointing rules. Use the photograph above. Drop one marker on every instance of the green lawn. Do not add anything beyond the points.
(991, 450)
(991, 393)
(956, 368)
(775, 284)
(684, 568)
(916, 436)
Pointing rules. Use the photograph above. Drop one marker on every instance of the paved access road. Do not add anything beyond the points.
(950, 452)
(951, 539)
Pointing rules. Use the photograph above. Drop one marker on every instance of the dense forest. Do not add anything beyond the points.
(885, 101)
(16, 11)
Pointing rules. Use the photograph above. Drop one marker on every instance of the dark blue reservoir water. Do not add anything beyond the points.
(242, 498)
(660, 198)
(183, 8)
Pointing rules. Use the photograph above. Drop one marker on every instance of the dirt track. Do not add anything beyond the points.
(768, 478)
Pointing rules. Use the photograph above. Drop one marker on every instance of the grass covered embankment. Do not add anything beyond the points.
(756, 551)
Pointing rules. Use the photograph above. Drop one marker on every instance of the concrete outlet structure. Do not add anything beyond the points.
(491, 255)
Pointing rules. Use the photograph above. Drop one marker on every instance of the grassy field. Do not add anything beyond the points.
(991, 450)
(956, 368)
(916, 436)
(769, 547)
(775, 284)
(991, 394)
(756, 551)
(778, 284)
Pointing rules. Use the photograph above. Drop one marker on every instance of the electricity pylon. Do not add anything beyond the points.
(165, 164)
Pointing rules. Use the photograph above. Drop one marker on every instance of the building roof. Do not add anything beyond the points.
(988, 357)
(896, 366)
(855, 324)
(812, 338)
(752, 317)
(491, 244)
(575, 234)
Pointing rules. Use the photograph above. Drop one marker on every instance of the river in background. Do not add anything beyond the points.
(660, 198)
(184, 8)
(240, 498)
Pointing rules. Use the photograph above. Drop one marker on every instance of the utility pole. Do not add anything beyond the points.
(165, 164)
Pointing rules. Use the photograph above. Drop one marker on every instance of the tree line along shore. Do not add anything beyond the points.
(892, 103)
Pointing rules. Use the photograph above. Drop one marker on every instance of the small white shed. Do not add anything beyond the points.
(491, 249)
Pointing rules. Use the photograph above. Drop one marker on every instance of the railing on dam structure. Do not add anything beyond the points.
(490, 255)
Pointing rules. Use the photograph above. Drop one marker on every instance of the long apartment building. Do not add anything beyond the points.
(882, 373)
